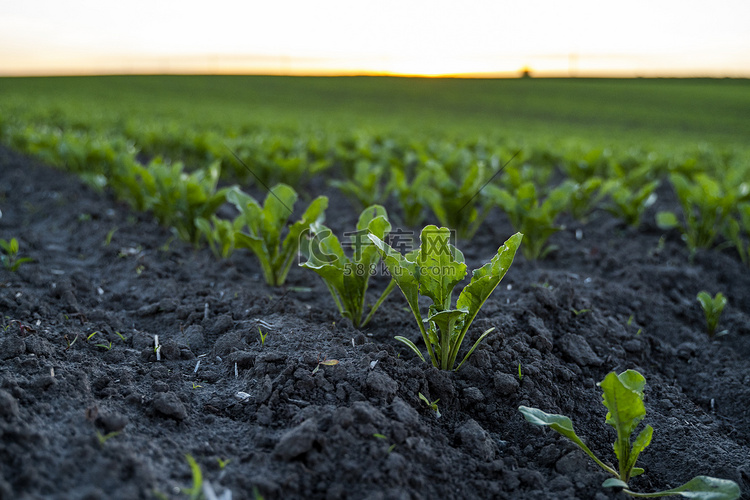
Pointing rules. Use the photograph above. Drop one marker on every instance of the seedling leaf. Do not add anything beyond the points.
(433, 270)
(623, 397)
(562, 425)
(705, 488)
(411, 346)
(347, 278)
(614, 483)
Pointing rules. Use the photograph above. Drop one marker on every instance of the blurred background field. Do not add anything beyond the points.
(606, 112)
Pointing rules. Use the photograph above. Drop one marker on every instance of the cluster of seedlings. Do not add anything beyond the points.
(449, 180)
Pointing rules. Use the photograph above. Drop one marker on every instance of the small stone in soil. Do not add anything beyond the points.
(169, 405)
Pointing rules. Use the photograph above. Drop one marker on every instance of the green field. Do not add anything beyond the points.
(599, 111)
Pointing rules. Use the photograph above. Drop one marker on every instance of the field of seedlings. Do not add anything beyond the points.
(374, 288)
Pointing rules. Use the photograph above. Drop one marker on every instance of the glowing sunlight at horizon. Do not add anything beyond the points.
(477, 38)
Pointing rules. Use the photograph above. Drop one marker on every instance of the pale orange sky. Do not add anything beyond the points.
(577, 37)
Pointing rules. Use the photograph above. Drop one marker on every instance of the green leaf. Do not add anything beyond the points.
(446, 322)
(440, 266)
(667, 220)
(195, 492)
(614, 483)
(265, 226)
(411, 345)
(705, 488)
(562, 425)
(347, 279)
(476, 344)
(640, 444)
(405, 274)
(623, 397)
(485, 279)
(483, 282)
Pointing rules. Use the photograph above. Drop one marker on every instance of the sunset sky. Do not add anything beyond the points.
(573, 38)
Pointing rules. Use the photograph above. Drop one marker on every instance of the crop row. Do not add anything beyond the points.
(450, 180)
(456, 183)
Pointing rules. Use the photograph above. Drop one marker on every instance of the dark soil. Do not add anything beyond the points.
(301, 433)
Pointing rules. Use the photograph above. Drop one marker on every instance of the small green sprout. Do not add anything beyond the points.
(103, 438)
(578, 312)
(520, 373)
(262, 337)
(122, 337)
(107, 346)
(432, 405)
(196, 492)
(70, 344)
(110, 234)
(712, 308)
(623, 397)
(385, 438)
(196, 386)
(91, 336)
(9, 258)
(222, 462)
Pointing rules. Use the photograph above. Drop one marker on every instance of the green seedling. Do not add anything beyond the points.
(520, 373)
(586, 197)
(9, 258)
(347, 278)
(410, 194)
(733, 233)
(432, 405)
(578, 312)
(219, 234)
(385, 438)
(106, 346)
(533, 217)
(262, 337)
(196, 386)
(712, 308)
(121, 336)
(175, 197)
(365, 186)
(623, 397)
(196, 491)
(103, 438)
(457, 197)
(223, 463)
(262, 228)
(628, 201)
(108, 238)
(70, 344)
(707, 206)
(91, 336)
(433, 271)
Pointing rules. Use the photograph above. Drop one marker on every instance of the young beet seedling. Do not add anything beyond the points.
(9, 258)
(712, 308)
(347, 278)
(265, 225)
(623, 397)
(433, 270)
